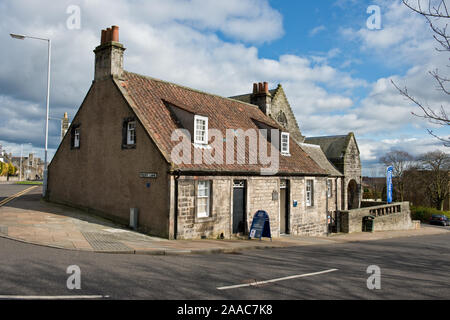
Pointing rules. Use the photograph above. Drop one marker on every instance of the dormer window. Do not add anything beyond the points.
(200, 130)
(285, 143)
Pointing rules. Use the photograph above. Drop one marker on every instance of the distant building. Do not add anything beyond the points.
(64, 125)
(32, 167)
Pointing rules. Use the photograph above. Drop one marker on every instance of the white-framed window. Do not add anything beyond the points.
(284, 143)
(131, 133)
(203, 198)
(200, 130)
(309, 193)
(76, 138)
(329, 188)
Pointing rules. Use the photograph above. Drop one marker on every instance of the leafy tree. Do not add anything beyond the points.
(4, 169)
(12, 169)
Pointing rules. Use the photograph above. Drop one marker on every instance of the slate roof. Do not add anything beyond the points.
(316, 153)
(333, 146)
(148, 98)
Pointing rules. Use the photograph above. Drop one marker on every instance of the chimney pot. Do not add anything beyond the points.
(108, 35)
(103, 41)
(255, 88)
(260, 87)
(115, 34)
(266, 87)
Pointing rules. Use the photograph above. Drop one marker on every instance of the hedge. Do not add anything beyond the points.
(424, 213)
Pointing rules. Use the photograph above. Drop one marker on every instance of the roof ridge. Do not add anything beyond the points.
(308, 145)
(191, 89)
(335, 136)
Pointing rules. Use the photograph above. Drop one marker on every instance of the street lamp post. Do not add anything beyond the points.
(49, 44)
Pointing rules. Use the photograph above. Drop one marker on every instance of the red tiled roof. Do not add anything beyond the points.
(147, 97)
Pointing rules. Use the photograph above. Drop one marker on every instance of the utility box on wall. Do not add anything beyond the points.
(134, 215)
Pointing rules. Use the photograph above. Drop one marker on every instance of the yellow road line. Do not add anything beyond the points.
(21, 193)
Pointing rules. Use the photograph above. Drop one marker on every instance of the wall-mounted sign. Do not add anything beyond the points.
(148, 175)
(274, 195)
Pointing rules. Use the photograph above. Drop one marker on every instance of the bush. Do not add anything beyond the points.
(424, 213)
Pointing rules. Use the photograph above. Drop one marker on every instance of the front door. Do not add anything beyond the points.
(239, 191)
(284, 207)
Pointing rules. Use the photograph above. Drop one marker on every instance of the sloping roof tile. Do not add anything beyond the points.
(148, 97)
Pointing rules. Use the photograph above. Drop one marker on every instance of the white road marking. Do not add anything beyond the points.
(276, 280)
(52, 297)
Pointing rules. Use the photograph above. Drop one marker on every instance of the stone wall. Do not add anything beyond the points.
(103, 177)
(396, 216)
(260, 197)
(352, 171)
(219, 222)
(282, 113)
(263, 193)
(308, 221)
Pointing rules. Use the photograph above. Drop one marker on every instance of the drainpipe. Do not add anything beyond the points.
(175, 222)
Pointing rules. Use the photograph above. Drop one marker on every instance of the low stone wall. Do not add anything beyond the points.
(371, 203)
(395, 216)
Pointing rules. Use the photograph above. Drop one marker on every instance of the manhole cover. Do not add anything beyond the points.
(104, 242)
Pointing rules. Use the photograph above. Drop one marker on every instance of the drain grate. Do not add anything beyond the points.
(104, 242)
(4, 230)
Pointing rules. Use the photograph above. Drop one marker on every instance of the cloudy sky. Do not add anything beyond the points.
(335, 70)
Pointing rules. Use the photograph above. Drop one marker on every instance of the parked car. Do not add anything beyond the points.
(440, 219)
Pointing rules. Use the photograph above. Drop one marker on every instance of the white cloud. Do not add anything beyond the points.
(178, 41)
(317, 30)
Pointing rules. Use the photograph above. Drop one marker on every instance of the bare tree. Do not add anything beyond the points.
(401, 161)
(374, 183)
(437, 14)
(437, 165)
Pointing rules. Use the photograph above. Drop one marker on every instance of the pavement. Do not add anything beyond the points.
(25, 217)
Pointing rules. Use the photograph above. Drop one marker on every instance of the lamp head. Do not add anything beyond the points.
(17, 36)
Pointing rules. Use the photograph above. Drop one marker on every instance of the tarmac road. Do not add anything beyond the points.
(411, 268)
(7, 190)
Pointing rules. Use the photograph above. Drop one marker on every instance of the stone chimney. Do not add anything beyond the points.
(262, 97)
(64, 125)
(109, 55)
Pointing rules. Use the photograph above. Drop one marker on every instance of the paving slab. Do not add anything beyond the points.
(30, 219)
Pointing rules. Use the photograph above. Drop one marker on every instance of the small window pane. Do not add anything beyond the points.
(131, 133)
(201, 130)
(76, 140)
(285, 143)
(203, 196)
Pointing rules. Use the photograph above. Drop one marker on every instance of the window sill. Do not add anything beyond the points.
(204, 219)
(285, 154)
(128, 146)
(202, 146)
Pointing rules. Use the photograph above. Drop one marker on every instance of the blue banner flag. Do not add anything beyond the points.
(389, 185)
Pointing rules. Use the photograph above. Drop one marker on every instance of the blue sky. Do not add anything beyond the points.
(335, 71)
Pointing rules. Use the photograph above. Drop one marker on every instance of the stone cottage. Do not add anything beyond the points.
(192, 164)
